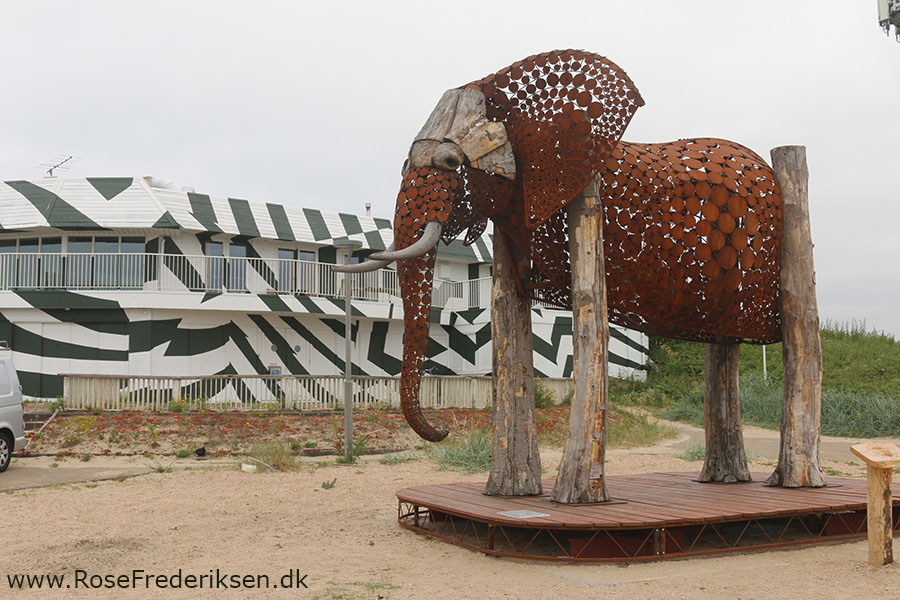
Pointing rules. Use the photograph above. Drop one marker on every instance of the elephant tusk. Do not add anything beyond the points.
(366, 266)
(428, 240)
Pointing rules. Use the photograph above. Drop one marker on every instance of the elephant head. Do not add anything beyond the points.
(516, 147)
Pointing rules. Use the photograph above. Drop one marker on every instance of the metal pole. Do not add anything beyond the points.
(348, 383)
(764, 363)
(349, 246)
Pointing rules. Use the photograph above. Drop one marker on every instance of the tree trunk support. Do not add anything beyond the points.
(725, 458)
(798, 458)
(515, 460)
(581, 477)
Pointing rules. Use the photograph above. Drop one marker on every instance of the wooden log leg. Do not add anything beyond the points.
(515, 460)
(581, 476)
(725, 458)
(879, 517)
(798, 458)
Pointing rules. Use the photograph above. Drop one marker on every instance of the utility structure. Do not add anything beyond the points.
(58, 164)
(889, 15)
(347, 246)
(680, 239)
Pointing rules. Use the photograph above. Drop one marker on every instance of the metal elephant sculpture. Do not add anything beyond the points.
(691, 231)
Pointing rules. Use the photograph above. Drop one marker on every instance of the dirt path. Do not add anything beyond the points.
(346, 541)
(764, 443)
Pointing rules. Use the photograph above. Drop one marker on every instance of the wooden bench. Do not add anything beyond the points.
(881, 459)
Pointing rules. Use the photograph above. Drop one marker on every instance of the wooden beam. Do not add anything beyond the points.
(880, 458)
(501, 161)
(470, 113)
(440, 119)
(798, 459)
(582, 476)
(483, 139)
(515, 460)
(725, 458)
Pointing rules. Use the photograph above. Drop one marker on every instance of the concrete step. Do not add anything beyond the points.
(35, 420)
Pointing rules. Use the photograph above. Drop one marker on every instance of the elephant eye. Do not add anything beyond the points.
(448, 156)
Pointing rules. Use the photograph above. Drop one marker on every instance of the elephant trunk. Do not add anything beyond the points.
(416, 277)
(424, 202)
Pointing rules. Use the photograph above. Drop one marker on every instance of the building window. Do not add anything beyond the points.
(106, 261)
(7, 264)
(51, 262)
(99, 262)
(287, 270)
(78, 269)
(88, 262)
(29, 263)
(215, 265)
(131, 262)
(237, 267)
(307, 271)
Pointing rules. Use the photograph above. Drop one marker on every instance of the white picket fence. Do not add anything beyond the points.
(282, 392)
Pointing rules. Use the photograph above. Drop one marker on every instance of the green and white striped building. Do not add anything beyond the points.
(130, 276)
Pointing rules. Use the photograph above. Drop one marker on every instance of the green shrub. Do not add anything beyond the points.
(855, 360)
(470, 453)
(844, 413)
(179, 405)
(360, 445)
(640, 396)
(543, 396)
(695, 452)
(274, 454)
(183, 453)
(158, 467)
(629, 430)
(396, 458)
(84, 424)
(73, 439)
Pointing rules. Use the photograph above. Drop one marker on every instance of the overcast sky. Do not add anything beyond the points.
(314, 104)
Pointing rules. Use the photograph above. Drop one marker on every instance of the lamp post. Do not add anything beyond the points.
(348, 246)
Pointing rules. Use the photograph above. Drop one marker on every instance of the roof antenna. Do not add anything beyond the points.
(889, 14)
(58, 164)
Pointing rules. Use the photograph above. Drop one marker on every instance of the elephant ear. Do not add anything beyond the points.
(564, 112)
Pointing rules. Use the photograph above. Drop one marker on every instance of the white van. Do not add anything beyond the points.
(12, 413)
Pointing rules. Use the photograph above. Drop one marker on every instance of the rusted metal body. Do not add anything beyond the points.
(690, 519)
(692, 228)
(692, 236)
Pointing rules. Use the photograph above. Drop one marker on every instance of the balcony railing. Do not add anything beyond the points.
(181, 273)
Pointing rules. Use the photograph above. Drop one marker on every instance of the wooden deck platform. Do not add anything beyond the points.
(651, 516)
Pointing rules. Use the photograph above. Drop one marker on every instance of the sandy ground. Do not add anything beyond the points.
(346, 540)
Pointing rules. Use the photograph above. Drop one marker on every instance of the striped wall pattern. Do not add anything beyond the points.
(97, 335)
(110, 203)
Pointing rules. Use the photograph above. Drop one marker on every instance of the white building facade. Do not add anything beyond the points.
(113, 276)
